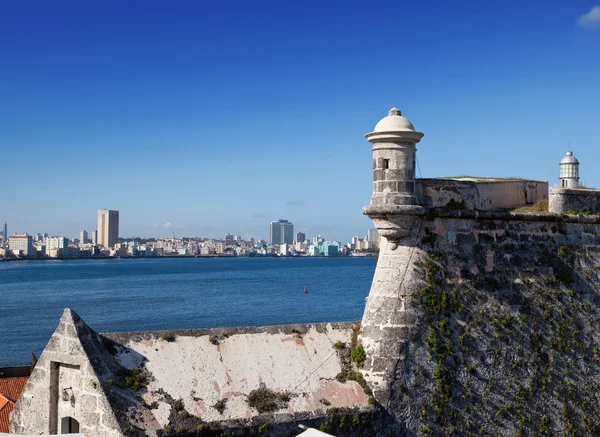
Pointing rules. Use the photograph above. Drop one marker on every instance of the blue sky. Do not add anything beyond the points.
(205, 117)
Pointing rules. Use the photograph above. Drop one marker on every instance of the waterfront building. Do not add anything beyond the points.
(57, 243)
(324, 248)
(21, 245)
(569, 171)
(281, 231)
(284, 249)
(108, 227)
(300, 237)
(83, 237)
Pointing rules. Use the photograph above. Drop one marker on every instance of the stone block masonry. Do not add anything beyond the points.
(483, 323)
(574, 200)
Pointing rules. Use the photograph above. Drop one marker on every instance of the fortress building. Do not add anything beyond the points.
(481, 320)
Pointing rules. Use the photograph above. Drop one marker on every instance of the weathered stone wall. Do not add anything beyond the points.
(196, 382)
(563, 200)
(64, 366)
(213, 371)
(488, 325)
(481, 194)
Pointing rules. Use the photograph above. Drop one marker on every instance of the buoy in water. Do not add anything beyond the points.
(305, 289)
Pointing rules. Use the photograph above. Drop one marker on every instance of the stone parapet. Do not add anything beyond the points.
(563, 200)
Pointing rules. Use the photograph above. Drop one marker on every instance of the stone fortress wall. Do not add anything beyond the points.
(487, 321)
(563, 200)
(480, 322)
(480, 193)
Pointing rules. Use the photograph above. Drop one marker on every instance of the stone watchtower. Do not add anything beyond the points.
(569, 171)
(388, 318)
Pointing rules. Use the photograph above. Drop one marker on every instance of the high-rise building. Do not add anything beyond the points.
(300, 237)
(83, 237)
(229, 239)
(373, 235)
(5, 233)
(21, 245)
(281, 231)
(108, 227)
(95, 238)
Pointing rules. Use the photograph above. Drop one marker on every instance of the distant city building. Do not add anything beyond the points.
(324, 248)
(95, 238)
(281, 231)
(300, 237)
(5, 233)
(57, 243)
(57, 247)
(229, 239)
(284, 249)
(83, 237)
(373, 235)
(39, 237)
(108, 227)
(569, 171)
(21, 245)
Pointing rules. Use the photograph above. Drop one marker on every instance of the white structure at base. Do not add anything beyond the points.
(569, 171)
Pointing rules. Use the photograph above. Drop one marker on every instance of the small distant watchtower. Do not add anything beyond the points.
(569, 171)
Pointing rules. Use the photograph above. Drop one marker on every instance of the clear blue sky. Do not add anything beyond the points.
(205, 117)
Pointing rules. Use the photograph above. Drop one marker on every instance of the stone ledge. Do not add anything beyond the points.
(507, 216)
(301, 328)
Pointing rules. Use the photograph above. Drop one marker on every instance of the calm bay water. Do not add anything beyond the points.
(170, 293)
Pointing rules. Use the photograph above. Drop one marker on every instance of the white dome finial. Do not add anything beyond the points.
(394, 111)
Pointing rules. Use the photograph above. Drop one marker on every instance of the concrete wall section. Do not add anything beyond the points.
(563, 200)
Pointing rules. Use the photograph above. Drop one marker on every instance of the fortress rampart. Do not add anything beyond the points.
(476, 314)
(483, 194)
(563, 200)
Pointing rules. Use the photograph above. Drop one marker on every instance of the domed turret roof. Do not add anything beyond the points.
(394, 128)
(394, 122)
(569, 159)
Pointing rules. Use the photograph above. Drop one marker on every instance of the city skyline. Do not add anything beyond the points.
(212, 119)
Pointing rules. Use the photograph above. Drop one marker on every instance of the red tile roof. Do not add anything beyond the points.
(10, 390)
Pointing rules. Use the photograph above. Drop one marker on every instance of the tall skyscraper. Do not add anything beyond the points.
(281, 231)
(373, 235)
(95, 238)
(300, 237)
(108, 227)
(5, 233)
(83, 237)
